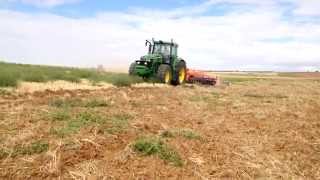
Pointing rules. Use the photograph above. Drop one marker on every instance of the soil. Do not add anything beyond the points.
(267, 129)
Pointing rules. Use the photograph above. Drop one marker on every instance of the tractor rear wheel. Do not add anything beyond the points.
(131, 69)
(164, 73)
(180, 74)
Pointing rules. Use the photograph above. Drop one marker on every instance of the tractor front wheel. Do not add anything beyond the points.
(180, 74)
(131, 69)
(164, 73)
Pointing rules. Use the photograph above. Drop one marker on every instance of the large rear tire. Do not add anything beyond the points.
(164, 74)
(180, 74)
(131, 69)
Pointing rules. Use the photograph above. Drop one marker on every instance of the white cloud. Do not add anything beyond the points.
(307, 7)
(238, 40)
(300, 7)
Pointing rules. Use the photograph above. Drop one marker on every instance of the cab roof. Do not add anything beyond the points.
(165, 43)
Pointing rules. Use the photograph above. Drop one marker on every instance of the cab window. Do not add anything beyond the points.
(166, 50)
(174, 51)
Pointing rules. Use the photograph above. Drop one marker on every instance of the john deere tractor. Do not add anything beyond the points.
(161, 63)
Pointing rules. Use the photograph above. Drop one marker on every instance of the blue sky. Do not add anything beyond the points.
(85, 8)
(280, 35)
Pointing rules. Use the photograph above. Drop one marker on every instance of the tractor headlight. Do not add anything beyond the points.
(145, 63)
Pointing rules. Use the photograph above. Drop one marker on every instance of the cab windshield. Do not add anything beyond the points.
(161, 49)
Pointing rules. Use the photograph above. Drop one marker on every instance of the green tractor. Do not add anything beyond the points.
(161, 63)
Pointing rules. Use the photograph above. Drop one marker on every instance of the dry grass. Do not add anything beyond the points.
(265, 129)
(186, 133)
(31, 87)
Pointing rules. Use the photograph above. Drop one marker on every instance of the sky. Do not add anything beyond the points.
(250, 35)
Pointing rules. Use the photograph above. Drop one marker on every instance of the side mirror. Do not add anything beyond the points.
(147, 42)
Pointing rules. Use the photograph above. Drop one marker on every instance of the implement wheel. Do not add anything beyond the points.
(164, 74)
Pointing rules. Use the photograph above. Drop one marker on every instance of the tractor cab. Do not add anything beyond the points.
(161, 47)
(168, 50)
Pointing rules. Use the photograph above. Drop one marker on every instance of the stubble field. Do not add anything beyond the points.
(256, 127)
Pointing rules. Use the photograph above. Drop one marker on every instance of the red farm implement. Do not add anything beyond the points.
(200, 77)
